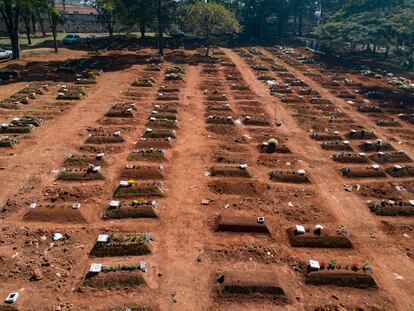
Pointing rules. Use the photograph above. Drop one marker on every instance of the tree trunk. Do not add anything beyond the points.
(42, 26)
(33, 18)
(15, 45)
(53, 27)
(207, 44)
(11, 18)
(300, 26)
(55, 45)
(142, 28)
(160, 29)
(27, 25)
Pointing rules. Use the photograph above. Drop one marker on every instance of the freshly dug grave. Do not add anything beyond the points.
(230, 157)
(273, 148)
(337, 145)
(212, 107)
(390, 157)
(79, 174)
(351, 157)
(122, 244)
(241, 188)
(104, 138)
(120, 113)
(240, 224)
(168, 96)
(217, 97)
(341, 278)
(7, 141)
(214, 119)
(222, 129)
(143, 172)
(133, 209)
(82, 160)
(154, 143)
(230, 171)
(159, 133)
(373, 146)
(401, 171)
(159, 123)
(55, 214)
(256, 120)
(16, 129)
(139, 189)
(163, 115)
(289, 176)
(361, 134)
(387, 208)
(250, 284)
(102, 148)
(166, 108)
(391, 123)
(151, 154)
(362, 172)
(322, 241)
(326, 136)
(114, 279)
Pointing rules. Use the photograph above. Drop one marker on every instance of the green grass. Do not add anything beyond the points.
(37, 41)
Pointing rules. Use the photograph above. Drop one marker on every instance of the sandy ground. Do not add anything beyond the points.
(186, 252)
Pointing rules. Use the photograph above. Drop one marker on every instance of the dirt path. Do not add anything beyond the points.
(347, 208)
(182, 226)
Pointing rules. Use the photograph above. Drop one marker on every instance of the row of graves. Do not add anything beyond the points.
(141, 184)
(383, 98)
(361, 154)
(308, 232)
(139, 187)
(22, 115)
(241, 182)
(84, 71)
(25, 113)
(83, 181)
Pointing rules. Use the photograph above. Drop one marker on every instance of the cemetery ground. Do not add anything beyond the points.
(256, 179)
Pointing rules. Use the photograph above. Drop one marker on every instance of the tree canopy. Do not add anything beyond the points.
(209, 19)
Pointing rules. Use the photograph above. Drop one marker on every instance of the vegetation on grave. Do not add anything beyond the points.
(116, 276)
(143, 211)
(140, 189)
(130, 244)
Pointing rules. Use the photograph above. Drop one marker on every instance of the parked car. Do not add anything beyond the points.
(5, 53)
(177, 33)
(71, 39)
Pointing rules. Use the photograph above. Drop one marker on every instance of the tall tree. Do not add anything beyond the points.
(109, 11)
(209, 19)
(10, 11)
(55, 18)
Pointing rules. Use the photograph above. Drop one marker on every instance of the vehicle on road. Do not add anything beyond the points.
(5, 53)
(71, 39)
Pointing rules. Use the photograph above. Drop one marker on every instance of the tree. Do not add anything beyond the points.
(55, 18)
(10, 11)
(27, 12)
(209, 19)
(109, 11)
(166, 10)
(141, 12)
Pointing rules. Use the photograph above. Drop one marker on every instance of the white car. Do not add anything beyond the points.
(5, 53)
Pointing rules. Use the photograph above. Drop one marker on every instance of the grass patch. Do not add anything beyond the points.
(130, 244)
